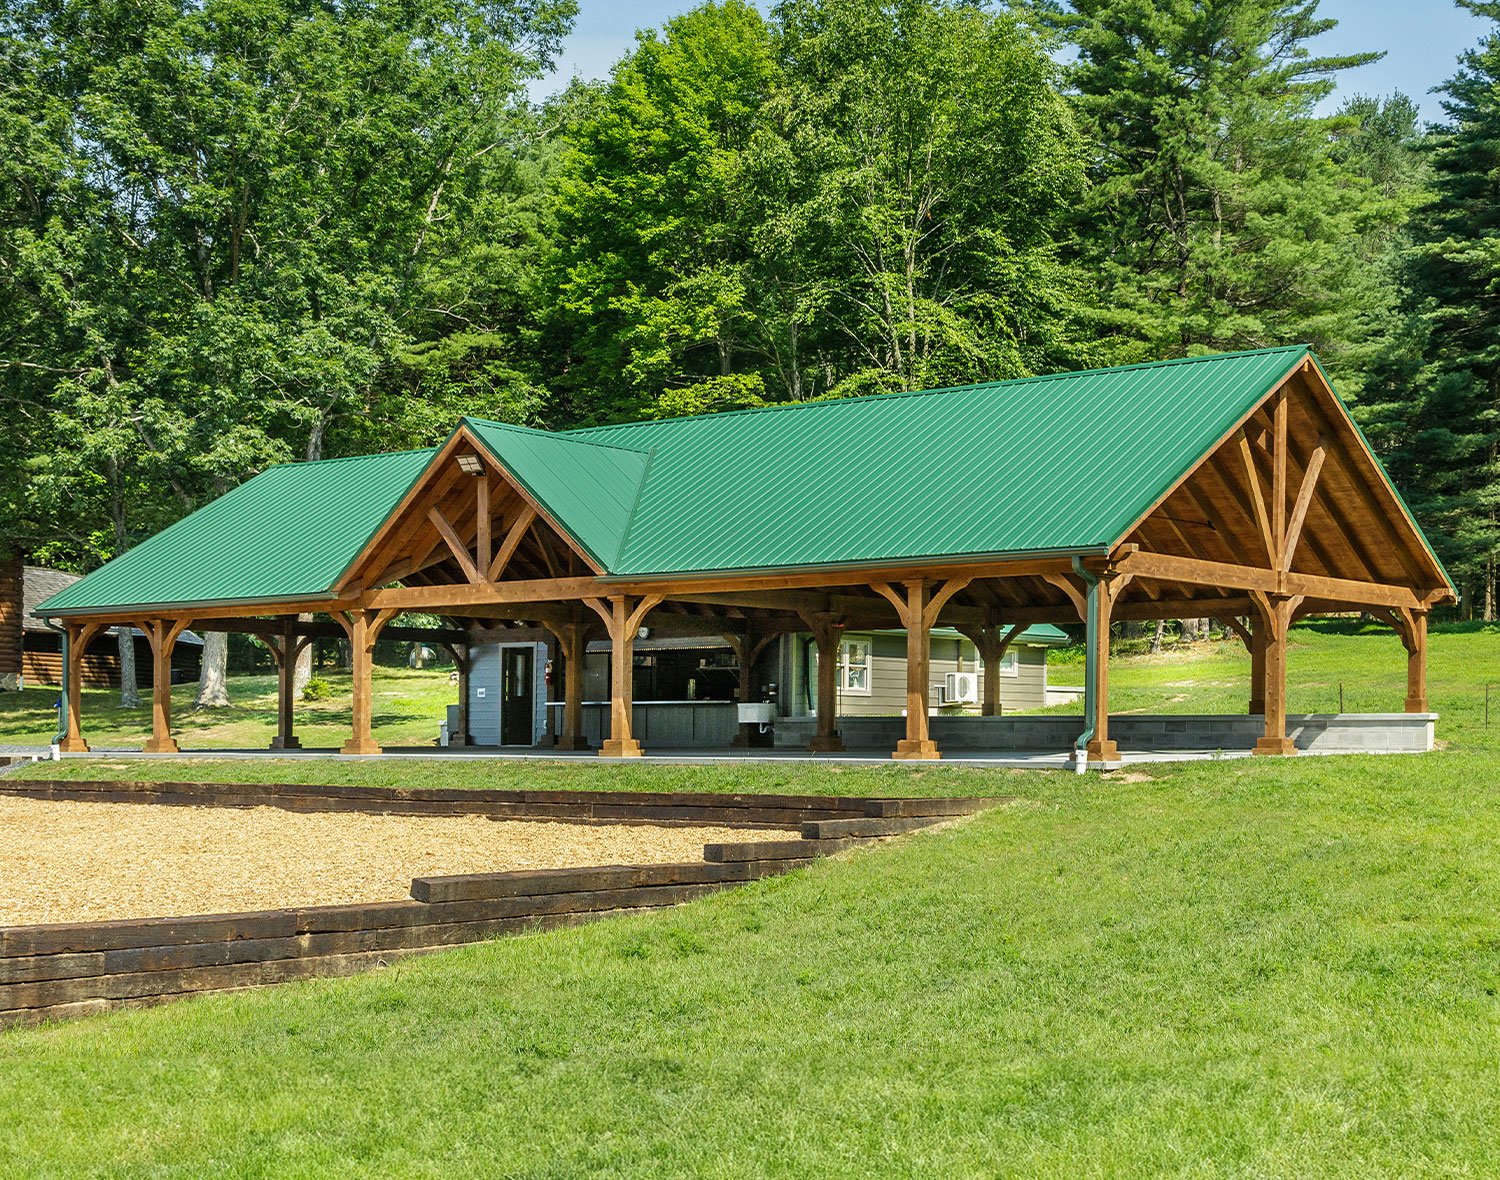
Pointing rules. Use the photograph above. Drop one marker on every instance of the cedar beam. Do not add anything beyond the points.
(1278, 475)
(1356, 474)
(455, 543)
(1304, 502)
(483, 522)
(1257, 497)
(508, 546)
(1266, 581)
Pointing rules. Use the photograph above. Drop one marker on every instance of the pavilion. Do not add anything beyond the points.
(1235, 487)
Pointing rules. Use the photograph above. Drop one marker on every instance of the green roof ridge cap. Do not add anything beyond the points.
(563, 434)
(899, 393)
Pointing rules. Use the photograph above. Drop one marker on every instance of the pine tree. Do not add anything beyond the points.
(1219, 218)
(1450, 448)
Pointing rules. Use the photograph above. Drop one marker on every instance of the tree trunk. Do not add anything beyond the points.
(130, 692)
(304, 669)
(1161, 627)
(213, 687)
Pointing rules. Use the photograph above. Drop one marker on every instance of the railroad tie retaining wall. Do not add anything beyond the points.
(64, 970)
(686, 809)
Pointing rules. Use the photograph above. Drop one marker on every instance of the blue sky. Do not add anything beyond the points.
(1422, 39)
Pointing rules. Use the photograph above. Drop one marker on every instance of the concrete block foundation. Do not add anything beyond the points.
(1313, 733)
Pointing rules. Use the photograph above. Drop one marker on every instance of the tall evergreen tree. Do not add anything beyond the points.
(1218, 217)
(1445, 430)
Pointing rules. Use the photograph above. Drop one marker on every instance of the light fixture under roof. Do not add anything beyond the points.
(471, 464)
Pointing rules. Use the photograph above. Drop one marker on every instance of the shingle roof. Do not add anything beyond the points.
(1057, 464)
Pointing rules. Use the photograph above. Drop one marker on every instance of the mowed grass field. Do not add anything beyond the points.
(1249, 968)
(407, 708)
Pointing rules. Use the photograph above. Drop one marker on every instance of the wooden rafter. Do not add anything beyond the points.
(512, 539)
(455, 544)
(1356, 478)
(1304, 502)
(1257, 498)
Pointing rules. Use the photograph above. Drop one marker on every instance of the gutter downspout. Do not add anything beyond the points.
(1090, 665)
(62, 701)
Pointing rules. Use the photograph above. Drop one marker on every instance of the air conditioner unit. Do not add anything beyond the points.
(961, 688)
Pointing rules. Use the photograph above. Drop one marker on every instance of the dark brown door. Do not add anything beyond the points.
(517, 703)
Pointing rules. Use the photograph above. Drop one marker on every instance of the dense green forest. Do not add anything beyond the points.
(241, 232)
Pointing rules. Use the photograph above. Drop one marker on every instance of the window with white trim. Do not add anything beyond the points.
(854, 665)
(1009, 665)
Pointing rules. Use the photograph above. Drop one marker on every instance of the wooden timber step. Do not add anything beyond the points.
(666, 808)
(843, 829)
(776, 851)
(822, 838)
(541, 882)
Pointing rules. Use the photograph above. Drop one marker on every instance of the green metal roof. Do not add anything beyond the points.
(588, 488)
(287, 533)
(1059, 464)
(1065, 463)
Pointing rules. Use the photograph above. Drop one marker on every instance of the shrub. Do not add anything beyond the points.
(317, 689)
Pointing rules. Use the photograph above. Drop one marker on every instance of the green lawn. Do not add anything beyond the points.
(408, 706)
(1258, 968)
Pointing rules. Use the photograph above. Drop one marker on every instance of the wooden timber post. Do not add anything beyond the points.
(622, 617)
(918, 610)
(1100, 747)
(463, 660)
(1276, 611)
(162, 635)
(1095, 605)
(1414, 637)
(1253, 635)
(828, 633)
(991, 640)
(572, 640)
(78, 638)
(285, 650)
(363, 627)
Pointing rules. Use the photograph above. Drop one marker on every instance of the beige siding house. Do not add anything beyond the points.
(872, 673)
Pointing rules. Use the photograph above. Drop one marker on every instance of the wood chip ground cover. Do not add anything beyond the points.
(62, 861)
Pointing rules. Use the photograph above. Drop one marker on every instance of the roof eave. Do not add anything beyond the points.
(128, 608)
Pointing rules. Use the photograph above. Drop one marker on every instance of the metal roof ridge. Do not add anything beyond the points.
(899, 393)
(568, 435)
(1098, 549)
(556, 518)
